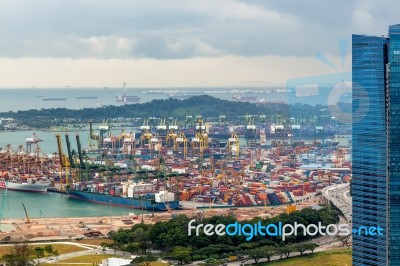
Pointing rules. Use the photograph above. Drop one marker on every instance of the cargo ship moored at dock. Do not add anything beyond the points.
(160, 201)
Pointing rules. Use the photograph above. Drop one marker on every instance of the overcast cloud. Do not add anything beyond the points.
(174, 29)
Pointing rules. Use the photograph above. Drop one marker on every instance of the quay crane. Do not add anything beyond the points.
(234, 146)
(64, 162)
(128, 145)
(145, 135)
(251, 130)
(32, 141)
(92, 136)
(189, 121)
(181, 140)
(200, 140)
(162, 127)
(104, 132)
(172, 135)
(70, 157)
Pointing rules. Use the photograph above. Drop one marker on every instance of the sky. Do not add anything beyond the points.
(174, 43)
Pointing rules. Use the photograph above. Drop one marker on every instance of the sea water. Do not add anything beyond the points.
(54, 205)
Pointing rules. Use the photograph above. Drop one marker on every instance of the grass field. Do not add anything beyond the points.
(62, 248)
(90, 259)
(340, 257)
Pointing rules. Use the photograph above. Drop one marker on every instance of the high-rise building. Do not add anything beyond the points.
(376, 147)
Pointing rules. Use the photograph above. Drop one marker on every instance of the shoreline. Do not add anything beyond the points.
(72, 228)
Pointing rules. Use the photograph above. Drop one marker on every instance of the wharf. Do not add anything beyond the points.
(56, 190)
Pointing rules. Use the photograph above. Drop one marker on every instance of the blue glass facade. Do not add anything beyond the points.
(369, 190)
(393, 128)
(376, 147)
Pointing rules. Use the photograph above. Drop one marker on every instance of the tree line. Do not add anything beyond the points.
(204, 105)
(172, 239)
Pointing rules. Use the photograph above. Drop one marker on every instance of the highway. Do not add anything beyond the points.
(339, 195)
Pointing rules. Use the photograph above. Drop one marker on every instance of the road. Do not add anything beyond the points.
(339, 195)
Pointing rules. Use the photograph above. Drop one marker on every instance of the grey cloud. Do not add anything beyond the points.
(182, 29)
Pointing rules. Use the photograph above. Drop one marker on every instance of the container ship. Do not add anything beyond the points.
(241, 98)
(28, 185)
(54, 99)
(85, 97)
(126, 98)
(136, 196)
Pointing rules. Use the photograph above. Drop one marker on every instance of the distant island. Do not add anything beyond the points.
(207, 106)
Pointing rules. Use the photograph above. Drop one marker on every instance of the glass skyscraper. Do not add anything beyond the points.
(376, 146)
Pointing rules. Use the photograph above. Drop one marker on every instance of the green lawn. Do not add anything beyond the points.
(340, 257)
(62, 248)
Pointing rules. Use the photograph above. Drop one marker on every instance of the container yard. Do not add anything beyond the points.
(163, 167)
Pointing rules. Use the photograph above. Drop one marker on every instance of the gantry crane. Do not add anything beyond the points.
(32, 141)
(92, 136)
(162, 127)
(64, 162)
(233, 146)
(145, 135)
(128, 143)
(181, 140)
(172, 134)
(250, 129)
(105, 132)
(200, 140)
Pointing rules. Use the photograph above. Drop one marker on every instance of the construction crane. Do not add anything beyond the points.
(27, 220)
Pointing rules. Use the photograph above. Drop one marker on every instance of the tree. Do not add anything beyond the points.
(300, 248)
(132, 247)
(56, 253)
(207, 251)
(19, 254)
(104, 245)
(49, 249)
(144, 260)
(142, 237)
(286, 250)
(311, 247)
(269, 252)
(256, 254)
(39, 253)
(180, 253)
